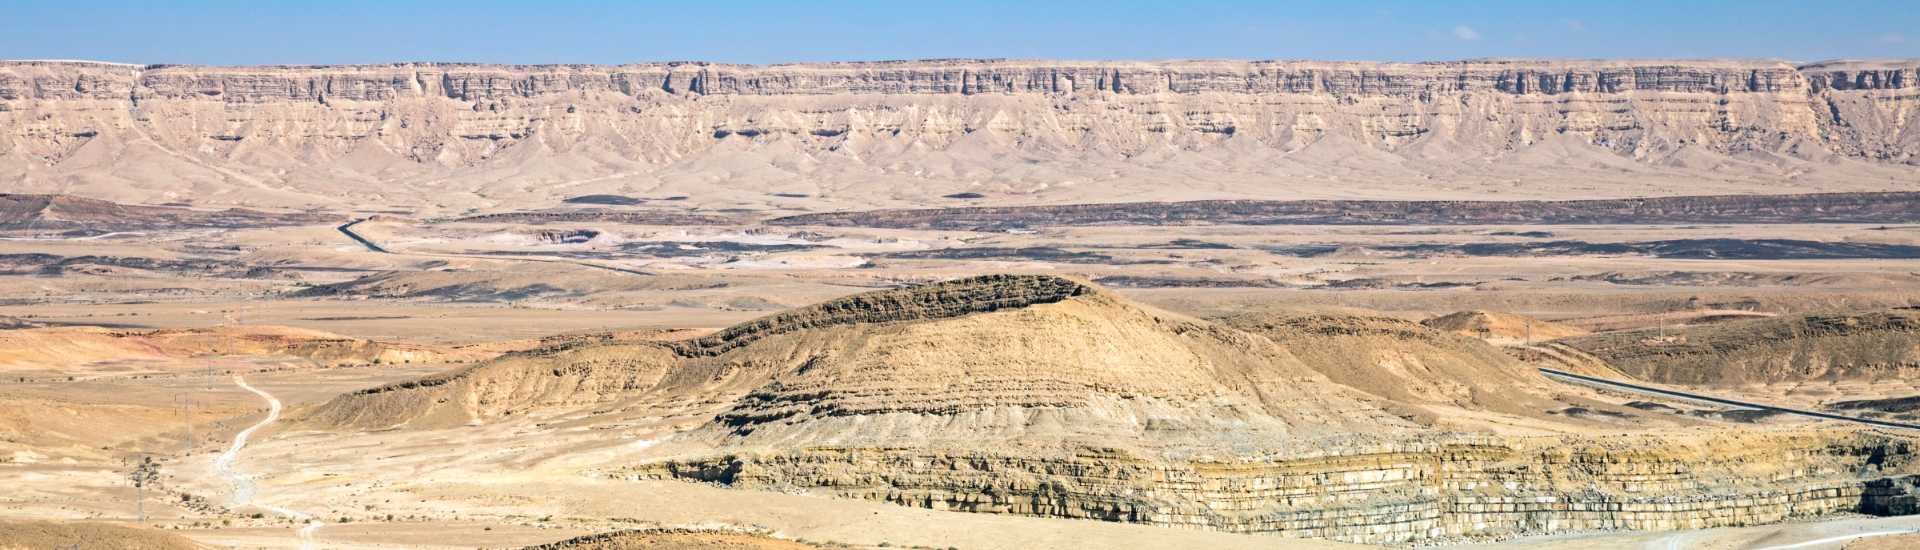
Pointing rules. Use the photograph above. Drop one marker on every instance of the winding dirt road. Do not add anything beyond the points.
(243, 487)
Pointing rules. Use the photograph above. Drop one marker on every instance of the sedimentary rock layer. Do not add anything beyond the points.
(915, 131)
(1406, 493)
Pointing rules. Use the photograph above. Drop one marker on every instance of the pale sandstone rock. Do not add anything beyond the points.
(304, 135)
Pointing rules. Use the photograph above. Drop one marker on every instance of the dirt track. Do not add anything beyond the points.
(243, 488)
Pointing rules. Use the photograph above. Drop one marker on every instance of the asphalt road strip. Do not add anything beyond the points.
(1618, 385)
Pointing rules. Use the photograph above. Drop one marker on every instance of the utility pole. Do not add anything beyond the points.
(146, 472)
(186, 403)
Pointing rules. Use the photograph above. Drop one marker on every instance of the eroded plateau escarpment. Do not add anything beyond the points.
(913, 131)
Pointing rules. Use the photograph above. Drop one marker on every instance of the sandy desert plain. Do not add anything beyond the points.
(961, 304)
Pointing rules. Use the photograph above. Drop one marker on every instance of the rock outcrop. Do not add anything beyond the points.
(985, 358)
(1397, 494)
(910, 132)
(674, 539)
(1039, 395)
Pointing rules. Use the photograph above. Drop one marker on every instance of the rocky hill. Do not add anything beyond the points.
(1047, 396)
(1415, 370)
(907, 133)
(978, 360)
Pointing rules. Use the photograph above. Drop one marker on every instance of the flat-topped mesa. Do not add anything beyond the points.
(71, 80)
(1861, 75)
(903, 133)
(954, 298)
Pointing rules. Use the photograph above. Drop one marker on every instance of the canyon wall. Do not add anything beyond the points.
(302, 135)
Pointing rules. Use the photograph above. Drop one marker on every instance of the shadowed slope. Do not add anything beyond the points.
(1406, 363)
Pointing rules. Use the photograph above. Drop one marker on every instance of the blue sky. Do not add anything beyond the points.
(577, 31)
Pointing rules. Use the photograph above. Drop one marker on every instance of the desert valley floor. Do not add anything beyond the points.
(1023, 380)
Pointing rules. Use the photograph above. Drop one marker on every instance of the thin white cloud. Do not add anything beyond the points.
(1893, 38)
(1574, 25)
(1464, 32)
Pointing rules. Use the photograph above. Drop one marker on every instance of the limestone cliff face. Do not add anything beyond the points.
(288, 129)
(1404, 494)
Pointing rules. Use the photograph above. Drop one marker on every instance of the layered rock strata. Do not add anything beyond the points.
(1407, 493)
(295, 135)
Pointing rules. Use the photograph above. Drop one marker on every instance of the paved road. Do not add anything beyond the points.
(243, 487)
(1663, 392)
(347, 229)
